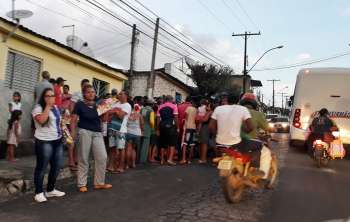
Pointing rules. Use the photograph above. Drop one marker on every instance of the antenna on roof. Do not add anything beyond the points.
(77, 43)
(16, 15)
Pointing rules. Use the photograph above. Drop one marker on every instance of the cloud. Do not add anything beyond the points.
(345, 12)
(303, 56)
(113, 48)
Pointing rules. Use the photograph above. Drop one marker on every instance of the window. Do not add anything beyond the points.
(101, 87)
(22, 72)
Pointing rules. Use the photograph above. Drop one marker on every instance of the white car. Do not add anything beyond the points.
(279, 125)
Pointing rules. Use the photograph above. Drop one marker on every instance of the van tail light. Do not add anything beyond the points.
(296, 118)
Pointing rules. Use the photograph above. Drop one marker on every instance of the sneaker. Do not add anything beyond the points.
(55, 193)
(40, 197)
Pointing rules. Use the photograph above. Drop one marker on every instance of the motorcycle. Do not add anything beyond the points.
(328, 148)
(234, 169)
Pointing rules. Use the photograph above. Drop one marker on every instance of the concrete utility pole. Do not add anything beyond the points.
(282, 95)
(245, 73)
(273, 93)
(132, 57)
(286, 101)
(151, 79)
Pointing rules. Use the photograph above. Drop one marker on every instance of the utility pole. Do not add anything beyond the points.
(132, 57)
(283, 95)
(273, 93)
(151, 79)
(245, 73)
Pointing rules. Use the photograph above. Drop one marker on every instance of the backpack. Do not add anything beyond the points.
(167, 117)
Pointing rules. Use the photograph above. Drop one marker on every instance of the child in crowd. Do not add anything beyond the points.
(13, 134)
(16, 103)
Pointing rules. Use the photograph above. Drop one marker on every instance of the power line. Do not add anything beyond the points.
(149, 26)
(177, 31)
(113, 47)
(101, 7)
(246, 13)
(303, 64)
(101, 20)
(213, 15)
(71, 18)
(172, 35)
(234, 14)
(112, 53)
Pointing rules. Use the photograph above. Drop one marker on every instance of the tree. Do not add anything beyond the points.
(211, 79)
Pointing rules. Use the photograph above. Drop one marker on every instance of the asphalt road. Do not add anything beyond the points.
(307, 193)
(138, 195)
(193, 193)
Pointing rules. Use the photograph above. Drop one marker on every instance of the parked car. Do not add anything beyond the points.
(279, 124)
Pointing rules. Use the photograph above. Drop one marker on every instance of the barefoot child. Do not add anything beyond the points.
(13, 134)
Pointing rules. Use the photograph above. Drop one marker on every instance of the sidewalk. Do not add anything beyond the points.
(17, 178)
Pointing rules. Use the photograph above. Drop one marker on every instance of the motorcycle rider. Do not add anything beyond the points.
(320, 126)
(227, 121)
(249, 101)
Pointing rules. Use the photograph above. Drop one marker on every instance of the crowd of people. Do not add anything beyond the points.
(132, 131)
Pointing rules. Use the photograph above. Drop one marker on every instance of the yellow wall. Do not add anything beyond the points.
(58, 61)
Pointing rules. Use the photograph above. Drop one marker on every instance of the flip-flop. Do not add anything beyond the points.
(109, 170)
(171, 163)
(118, 171)
(202, 162)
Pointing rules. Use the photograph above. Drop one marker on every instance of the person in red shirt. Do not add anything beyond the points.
(58, 91)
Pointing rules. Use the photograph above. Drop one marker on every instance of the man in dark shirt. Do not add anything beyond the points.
(320, 126)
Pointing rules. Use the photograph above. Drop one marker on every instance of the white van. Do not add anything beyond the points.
(318, 88)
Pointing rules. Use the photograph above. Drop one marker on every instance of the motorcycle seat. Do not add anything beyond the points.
(231, 151)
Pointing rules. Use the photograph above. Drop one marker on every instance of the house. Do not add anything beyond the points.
(165, 84)
(26, 54)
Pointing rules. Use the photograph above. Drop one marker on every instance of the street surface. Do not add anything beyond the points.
(193, 193)
(307, 193)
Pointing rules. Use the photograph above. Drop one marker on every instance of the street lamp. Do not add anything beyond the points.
(278, 47)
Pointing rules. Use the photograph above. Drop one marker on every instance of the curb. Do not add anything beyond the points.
(14, 185)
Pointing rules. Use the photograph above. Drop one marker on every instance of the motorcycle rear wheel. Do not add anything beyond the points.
(324, 161)
(319, 162)
(231, 194)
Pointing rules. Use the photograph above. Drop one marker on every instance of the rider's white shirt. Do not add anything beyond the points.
(229, 122)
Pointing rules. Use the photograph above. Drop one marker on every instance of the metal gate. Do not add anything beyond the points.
(101, 87)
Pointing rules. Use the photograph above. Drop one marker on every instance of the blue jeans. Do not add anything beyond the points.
(47, 152)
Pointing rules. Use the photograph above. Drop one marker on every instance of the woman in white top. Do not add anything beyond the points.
(48, 145)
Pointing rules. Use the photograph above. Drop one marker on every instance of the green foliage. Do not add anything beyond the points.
(211, 79)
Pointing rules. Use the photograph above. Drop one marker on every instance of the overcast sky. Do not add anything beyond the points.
(309, 30)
